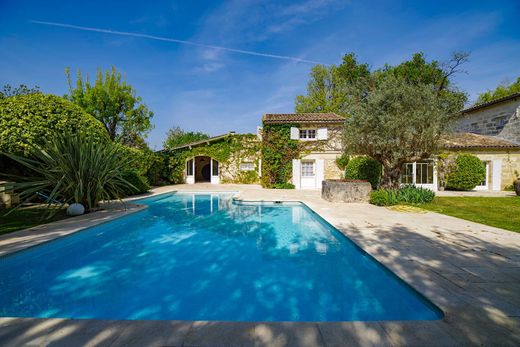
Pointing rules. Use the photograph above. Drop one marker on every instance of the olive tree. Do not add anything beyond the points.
(397, 121)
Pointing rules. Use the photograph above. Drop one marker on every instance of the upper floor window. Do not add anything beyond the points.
(307, 133)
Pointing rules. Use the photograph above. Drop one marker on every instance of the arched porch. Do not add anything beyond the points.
(202, 169)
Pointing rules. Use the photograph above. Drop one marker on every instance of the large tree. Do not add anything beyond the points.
(176, 137)
(395, 114)
(333, 88)
(115, 103)
(397, 122)
(501, 91)
(329, 88)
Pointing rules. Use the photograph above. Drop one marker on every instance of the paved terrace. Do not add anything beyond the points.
(470, 271)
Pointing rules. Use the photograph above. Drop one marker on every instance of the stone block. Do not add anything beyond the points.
(345, 191)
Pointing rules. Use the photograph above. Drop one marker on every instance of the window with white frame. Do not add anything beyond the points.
(484, 183)
(307, 134)
(189, 167)
(407, 174)
(307, 168)
(424, 172)
(420, 172)
(247, 166)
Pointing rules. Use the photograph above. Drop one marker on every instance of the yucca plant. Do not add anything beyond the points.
(74, 168)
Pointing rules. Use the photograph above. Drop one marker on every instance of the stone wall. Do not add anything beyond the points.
(345, 191)
(501, 120)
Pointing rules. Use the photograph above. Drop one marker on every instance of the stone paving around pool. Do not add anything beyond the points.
(469, 270)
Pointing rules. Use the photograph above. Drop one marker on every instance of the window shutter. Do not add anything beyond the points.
(296, 175)
(497, 174)
(295, 133)
(322, 134)
(320, 172)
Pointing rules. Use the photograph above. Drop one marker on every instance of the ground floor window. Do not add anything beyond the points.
(189, 167)
(424, 172)
(484, 183)
(307, 168)
(247, 166)
(418, 173)
(215, 167)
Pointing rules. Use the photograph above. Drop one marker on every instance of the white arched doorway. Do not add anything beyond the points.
(202, 169)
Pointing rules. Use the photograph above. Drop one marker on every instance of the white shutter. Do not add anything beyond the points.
(295, 133)
(497, 174)
(322, 134)
(296, 176)
(320, 172)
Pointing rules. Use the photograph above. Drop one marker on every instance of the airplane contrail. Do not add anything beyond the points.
(184, 42)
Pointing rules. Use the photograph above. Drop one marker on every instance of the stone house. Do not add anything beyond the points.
(490, 131)
(499, 118)
(322, 134)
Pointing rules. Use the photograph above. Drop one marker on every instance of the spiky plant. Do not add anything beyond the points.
(73, 168)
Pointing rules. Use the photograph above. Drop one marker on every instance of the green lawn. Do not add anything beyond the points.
(26, 217)
(501, 212)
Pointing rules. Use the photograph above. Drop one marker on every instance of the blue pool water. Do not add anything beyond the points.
(205, 257)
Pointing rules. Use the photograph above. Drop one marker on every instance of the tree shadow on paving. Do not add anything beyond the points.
(475, 282)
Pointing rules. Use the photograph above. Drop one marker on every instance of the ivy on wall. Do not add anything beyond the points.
(229, 152)
(278, 151)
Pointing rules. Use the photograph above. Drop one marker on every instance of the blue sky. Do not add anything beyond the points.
(217, 90)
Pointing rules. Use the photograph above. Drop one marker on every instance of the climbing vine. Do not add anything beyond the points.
(278, 151)
(229, 152)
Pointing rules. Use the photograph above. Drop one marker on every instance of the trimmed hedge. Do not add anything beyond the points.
(465, 173)
(364, 168)
(139, 182)
(405, 195)
(31, 119)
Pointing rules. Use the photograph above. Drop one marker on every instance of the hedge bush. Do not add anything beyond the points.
(364, 168)
(283, 186)
(139, 182)
(405, 195)
(384, 197)
(465, 173)
(32, 119)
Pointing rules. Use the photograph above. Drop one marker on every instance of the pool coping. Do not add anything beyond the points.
(442, 332)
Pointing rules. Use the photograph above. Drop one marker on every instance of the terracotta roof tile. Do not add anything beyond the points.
(470, 140)
(277, 118)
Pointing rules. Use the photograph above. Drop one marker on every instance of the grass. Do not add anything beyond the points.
(500, 212)
(27, 217)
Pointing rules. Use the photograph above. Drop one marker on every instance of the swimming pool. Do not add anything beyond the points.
(207, 257)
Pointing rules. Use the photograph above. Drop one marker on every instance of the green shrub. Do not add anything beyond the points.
(405, 195)
(342, 161)
(33, 119)
(364, 168)
(73, 168)
(139, 183)
(415, 195)
(465, 173)
(384, 197)
(283, 186)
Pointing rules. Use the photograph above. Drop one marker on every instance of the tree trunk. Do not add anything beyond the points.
(391, 177)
